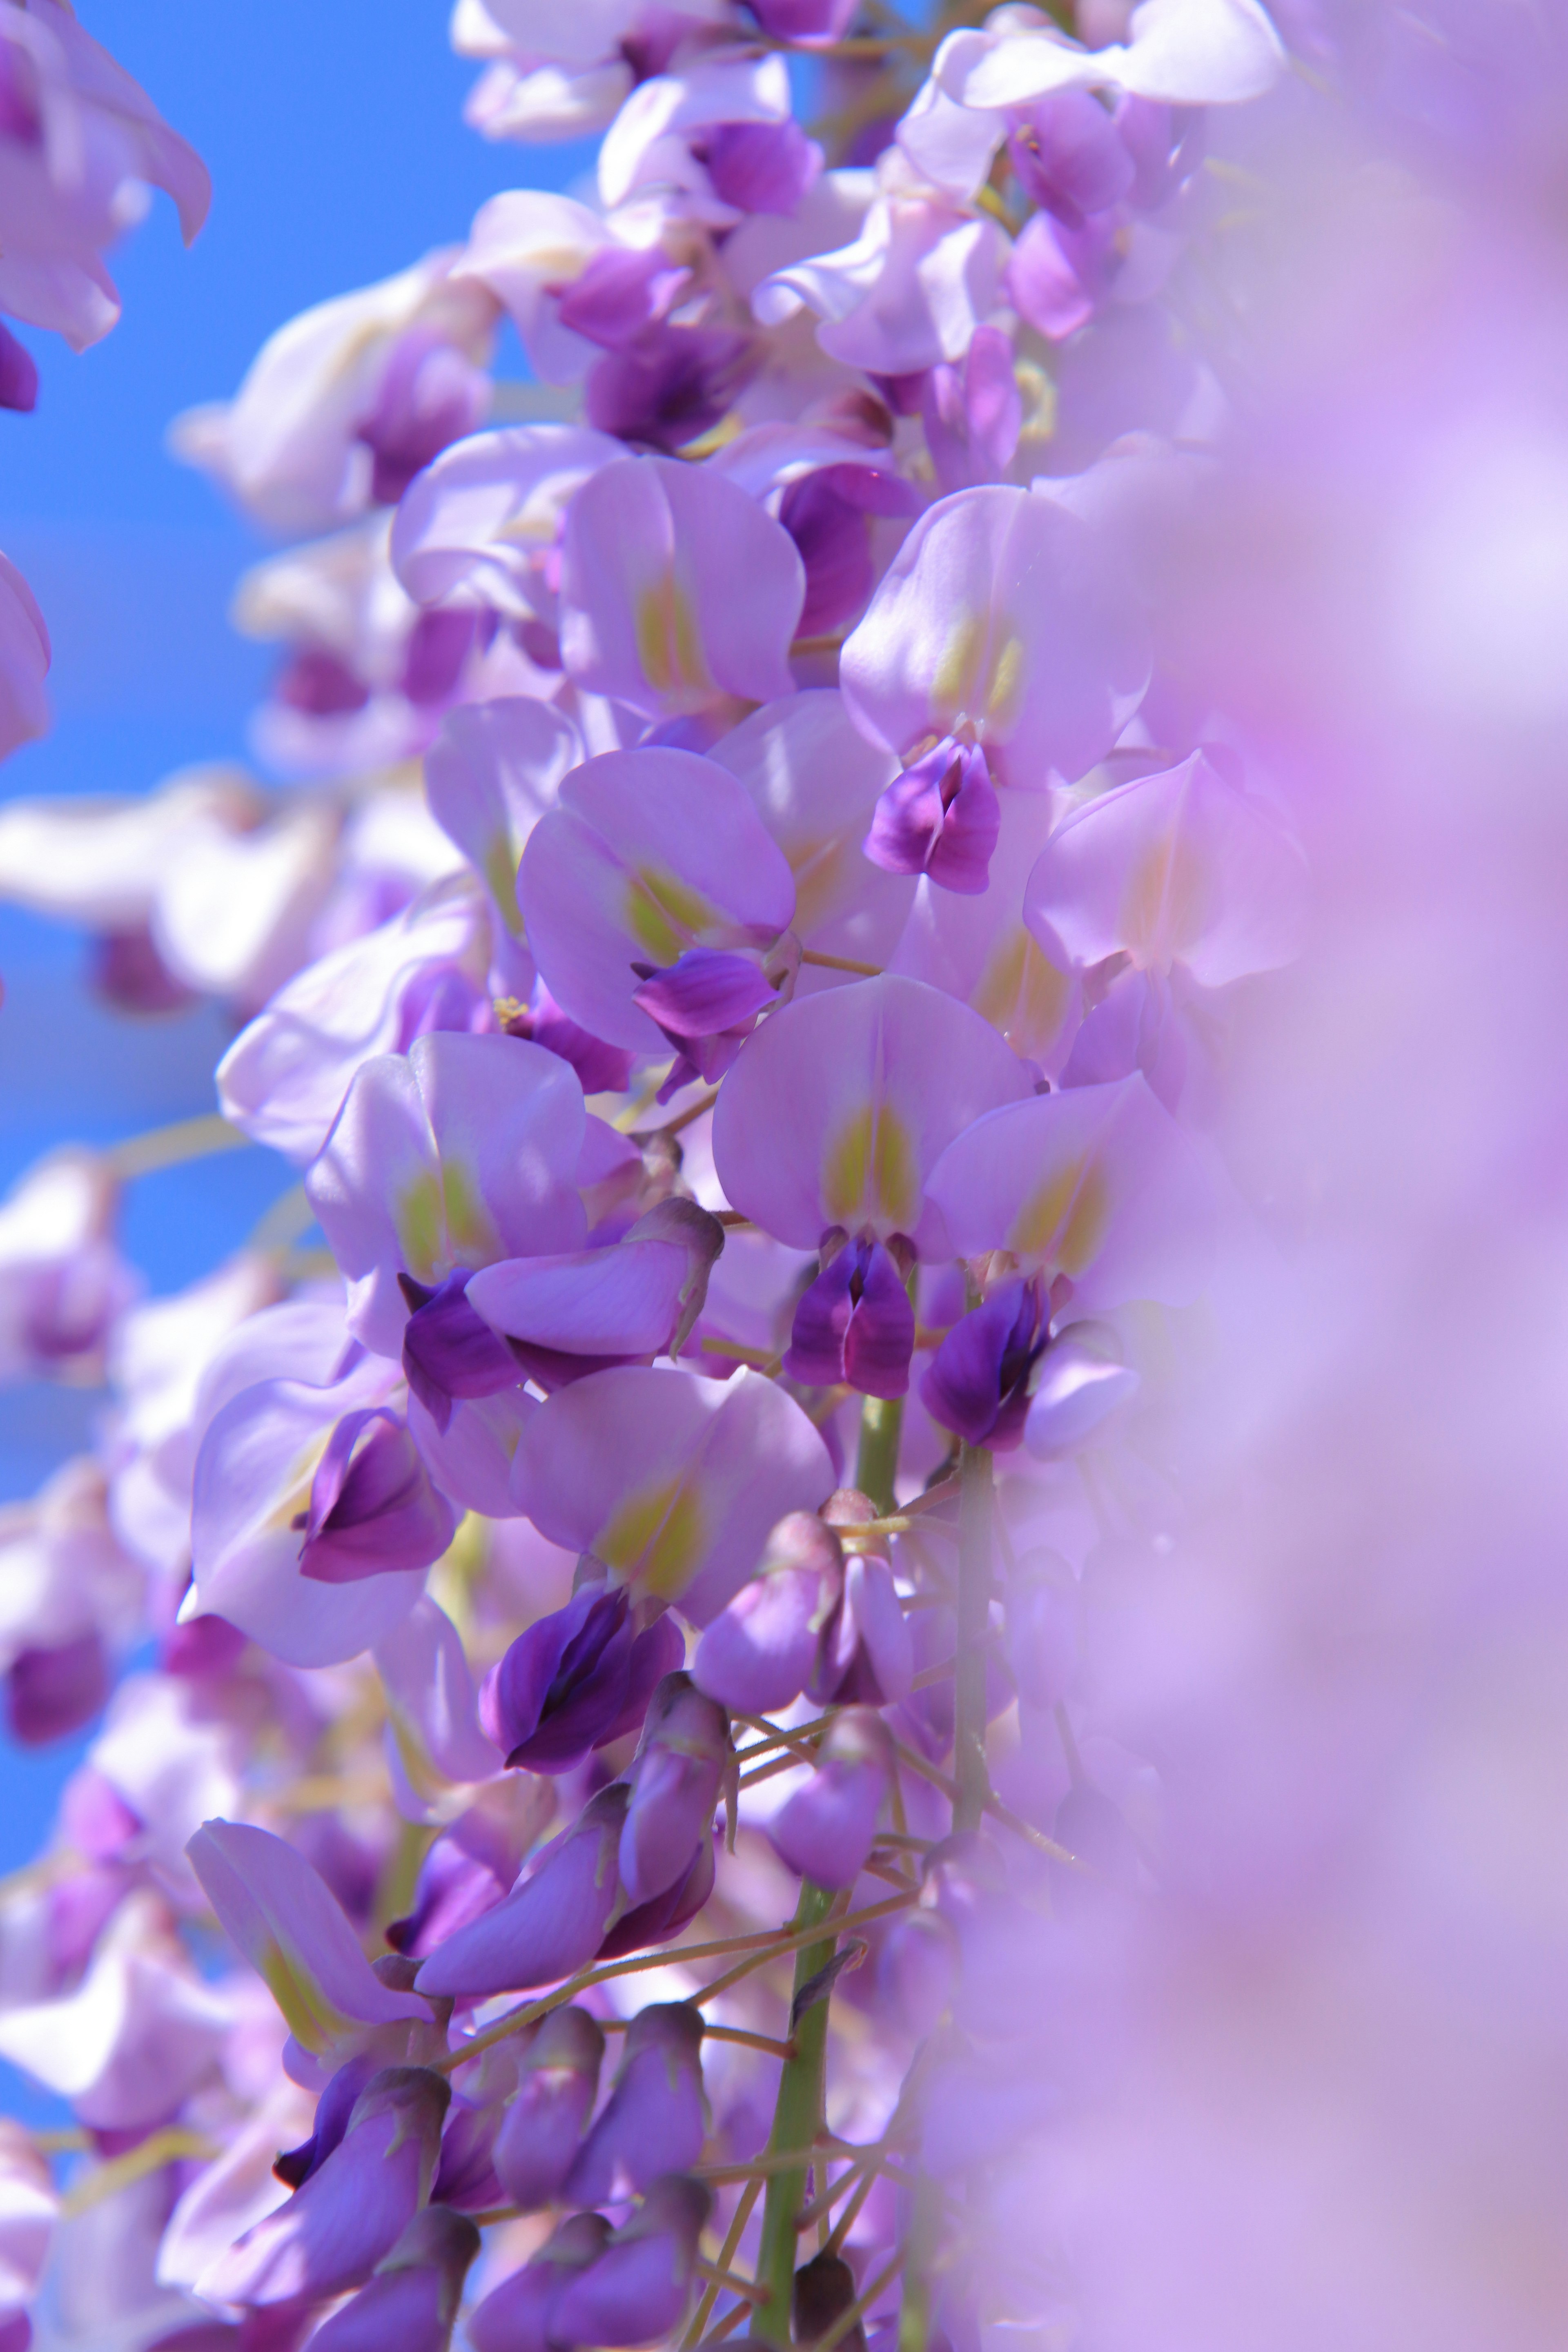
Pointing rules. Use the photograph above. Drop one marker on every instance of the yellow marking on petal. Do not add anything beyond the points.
(501, 873)
(1165, 904)
(869, 1173)
(416, 1216)
(954, 687)
(655, 1539)
(1006, 687)
(669, 642)
(312, 2026)
(665, 914)
(1063, 1224)
(473, 1237)
(1023, 994)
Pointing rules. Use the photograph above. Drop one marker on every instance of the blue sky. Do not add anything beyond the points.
(332, 129)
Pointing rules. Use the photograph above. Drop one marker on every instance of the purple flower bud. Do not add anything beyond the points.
(548, 1927)
(411, 2302)
(448, 1349)
(675, 1780)
(373, 1506)
(576, 1680)
(976, 1384)
(855, 1324)
(667, 1914)
(828, 1827)
(823, 2290)
(52, 1692)
(517, 2317)
(657, 2118)
(941, 817)
(352, 2210)
(759, 1652)
(538, 2140)
(637, 2290)
(761, 167)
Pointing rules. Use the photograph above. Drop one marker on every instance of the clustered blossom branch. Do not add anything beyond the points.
(743, 970)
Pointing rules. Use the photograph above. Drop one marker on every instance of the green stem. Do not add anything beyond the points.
(797, 2118)
(877, 1458)
(919, 2244)
(970, 1769)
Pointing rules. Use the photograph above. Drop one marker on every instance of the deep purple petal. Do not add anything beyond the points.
(449, 1351)
(815, 1353)
(881, 1336)
(657, 2117)
(705, 991)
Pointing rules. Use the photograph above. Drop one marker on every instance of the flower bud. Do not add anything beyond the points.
(517, 2315)
(635, 2292)
(657, 2118)
(352, 2209)
(551, 1924)
(577, 1679)
(759, 1652)
(539, 2137)
(675, 1783)
(411, 2302)
(828, 1827)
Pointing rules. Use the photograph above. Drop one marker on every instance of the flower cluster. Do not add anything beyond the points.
(632, 1560)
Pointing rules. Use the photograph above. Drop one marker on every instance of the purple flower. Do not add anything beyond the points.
(652, 610)
(459, 1153)
(652, 895)
(671, 1481)
(537, 2144)
(827, 1828)
(552, 1923)
(519, 2315)
(288, 1925)
(373, 1510)
(469, 1867)
(576, 1680)
(636, 2291)
(412, 2300)
(879, 1078)
(973, 414)
(854, 1324)
(1098, 1184)
(681, 1765)
(664, 1915)
(657, 2118)
(1178, 867)
(1002, 617)
(942, 818)
(758, 1654)
(977, 1382)
(353, 2209)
